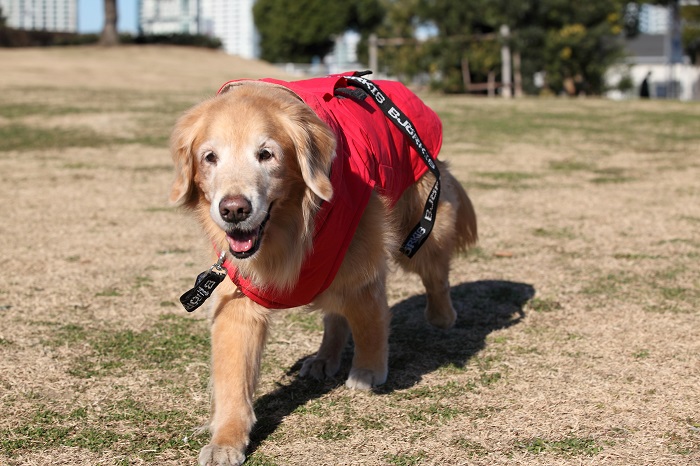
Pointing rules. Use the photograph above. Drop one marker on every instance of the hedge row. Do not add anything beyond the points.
(10, 37)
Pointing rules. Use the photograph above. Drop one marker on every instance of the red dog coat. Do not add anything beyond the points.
(371, 154)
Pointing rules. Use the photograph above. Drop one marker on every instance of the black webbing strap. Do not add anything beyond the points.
(422, 230)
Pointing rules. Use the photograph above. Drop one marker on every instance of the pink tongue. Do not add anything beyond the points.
(242, 242)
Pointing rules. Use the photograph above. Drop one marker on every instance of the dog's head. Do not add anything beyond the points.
(256, 158)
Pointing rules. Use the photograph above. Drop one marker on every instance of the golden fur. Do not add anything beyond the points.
(220, 149)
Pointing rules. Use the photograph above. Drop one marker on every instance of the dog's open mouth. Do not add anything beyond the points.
(244, 244)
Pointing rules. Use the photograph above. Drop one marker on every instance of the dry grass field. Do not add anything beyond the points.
(578, 337)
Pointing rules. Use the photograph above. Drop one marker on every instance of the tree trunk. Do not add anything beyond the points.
(109, 35)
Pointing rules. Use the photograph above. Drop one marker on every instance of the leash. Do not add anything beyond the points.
(422, 230)
(204, 285)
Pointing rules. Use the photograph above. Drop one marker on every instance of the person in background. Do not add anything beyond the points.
(644, 89)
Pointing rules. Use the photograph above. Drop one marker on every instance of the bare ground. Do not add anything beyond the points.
(578, 335)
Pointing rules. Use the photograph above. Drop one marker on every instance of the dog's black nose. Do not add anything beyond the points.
(235, 209)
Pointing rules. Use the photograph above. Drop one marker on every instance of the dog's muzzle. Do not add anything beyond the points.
(245, 243)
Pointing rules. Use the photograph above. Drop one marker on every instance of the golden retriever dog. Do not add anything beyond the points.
(255, 166)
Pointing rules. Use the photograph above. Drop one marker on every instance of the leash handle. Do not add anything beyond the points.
(422, 230)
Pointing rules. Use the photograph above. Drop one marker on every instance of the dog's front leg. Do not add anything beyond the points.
(238, 334)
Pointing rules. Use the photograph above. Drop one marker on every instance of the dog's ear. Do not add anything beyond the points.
(315, 146)
(181, 149)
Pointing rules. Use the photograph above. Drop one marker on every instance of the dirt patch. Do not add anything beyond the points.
(578, 334)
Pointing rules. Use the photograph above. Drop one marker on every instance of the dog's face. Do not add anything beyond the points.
(252, 157)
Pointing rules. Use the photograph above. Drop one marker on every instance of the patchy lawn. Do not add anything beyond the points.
(578, 334)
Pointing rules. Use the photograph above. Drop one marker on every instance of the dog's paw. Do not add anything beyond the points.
(365, 379)
(319, 368)
(443, 318)
(221, 455)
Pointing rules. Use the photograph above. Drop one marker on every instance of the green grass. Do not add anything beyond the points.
(79, 166)
(126, 427)
(108, 293)
(260, 459)
(507, 177)
(544, 305)
(471, 449)
(335, 431)
(305, 320)
(171, 343)
(556, 123)
(176, 250)
(15, 110)
(148, 110)
(571, 165)
(143, 281)
(446, 390)
(554, 233)
(569, 446)
(682, 444)
(433, 414)
(17, 136)
(612, 284)
(611, 175)
(501, 180)
(314, 408)
(405, 459)
(371, 422)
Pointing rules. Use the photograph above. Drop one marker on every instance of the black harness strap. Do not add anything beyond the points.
(422, 230)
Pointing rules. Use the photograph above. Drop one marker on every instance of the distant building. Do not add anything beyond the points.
(46, 15)
(169, 16)
(232, 22)
(648, 57)
(229, 20)
(653, 19)
(343, 57)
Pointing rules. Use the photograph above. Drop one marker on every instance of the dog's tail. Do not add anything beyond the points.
(466, 219)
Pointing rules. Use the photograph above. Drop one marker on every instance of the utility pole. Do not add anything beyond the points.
(373, 54)
(506, 82)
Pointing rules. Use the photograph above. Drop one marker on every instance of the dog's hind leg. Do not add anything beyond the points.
(364, 312)
(357, 304)
(454, 229)
(327, 361)
(432, 264)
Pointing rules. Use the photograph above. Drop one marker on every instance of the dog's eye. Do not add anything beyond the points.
(264, 154)
(211, 157)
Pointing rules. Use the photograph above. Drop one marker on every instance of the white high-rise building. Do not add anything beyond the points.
(46, 15)
(653, 19)
(229, 20)
(169, 16)
(232, 22)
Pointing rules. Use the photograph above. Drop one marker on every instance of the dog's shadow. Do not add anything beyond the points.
(416, 348)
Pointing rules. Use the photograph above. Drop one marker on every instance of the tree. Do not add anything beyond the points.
(405, 59)
(581, 42)
(303, 30)
(573, 42)
(109, 36)
(691, 32)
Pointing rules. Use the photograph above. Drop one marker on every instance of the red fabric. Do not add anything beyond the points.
(371, 154)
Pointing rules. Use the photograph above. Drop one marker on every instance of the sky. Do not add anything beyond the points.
(91, 15)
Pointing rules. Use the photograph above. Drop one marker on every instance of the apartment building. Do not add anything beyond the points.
(229, 20)
(46, 15)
